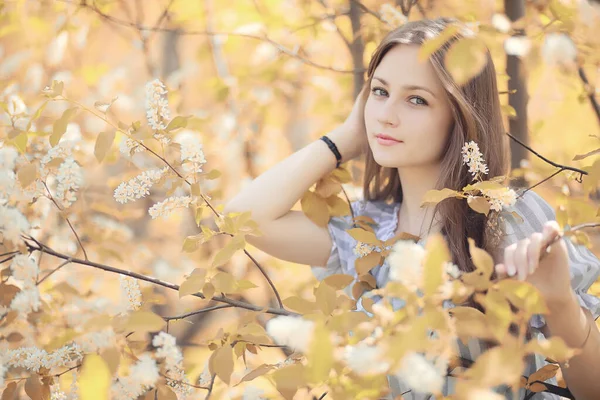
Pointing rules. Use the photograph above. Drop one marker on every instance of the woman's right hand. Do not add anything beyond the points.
(351, 137)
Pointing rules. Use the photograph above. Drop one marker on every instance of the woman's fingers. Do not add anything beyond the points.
(520, 259)
(533, 252)
(509, 263)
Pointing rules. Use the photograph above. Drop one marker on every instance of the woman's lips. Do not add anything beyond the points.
(385, 140)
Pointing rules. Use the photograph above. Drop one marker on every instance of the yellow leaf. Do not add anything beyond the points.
(364, 236)
(190, 244)
(144, 321)
(432, 45)
(470, 323)
(554, 348)
(497, 366)
(191, 285)
(432, 197)
(35, 390)
(20, 142)
(224, 282)
(338, 207)
(94, 380)
(112, 357)
(523, 295)
(300, 305)
(433, 268)
(543, 374)
(482, 260)
(235, 244)
(60, 125)
(288, 379)
(221, 363)
(214, 174)
(9, 391)
(342, 175)
(364, 264)
(27, 174)
(339, 281)
(479, 204)
(177, 123)
(244, 284)
(315, 208)
(165, 393)
(261, 370)
(327, 187)
(208, 290)
(509, 110)
(104, 142)
(326, 298)
(465, 59)
(320, 355)
(498, 312)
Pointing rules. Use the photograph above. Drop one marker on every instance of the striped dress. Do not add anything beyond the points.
(534, 210)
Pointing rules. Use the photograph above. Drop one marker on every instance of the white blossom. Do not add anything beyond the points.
(25, 269)
(501, 23)
(26, 301)
(452, 270)
(56, 50)
(145, 371)
(500, 198)
(8, 157)
(165, 207)
(129, 146)
(34, 358)
(12, 224)
(294, 332)
(138, 187)
(362, 249)
(420, 374)
(517, 46)
(253, 393)
(391, 15)
(558, 49)
(405, 260)
(92, 342)
(130, 289)
(70, 179)
(7, 184)
(62, 150)
(157, 106)
(473, 158)
(192, 154)
(168, 350)
(365, 359)
(3, 371)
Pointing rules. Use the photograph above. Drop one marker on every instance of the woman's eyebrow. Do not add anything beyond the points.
(407, 87)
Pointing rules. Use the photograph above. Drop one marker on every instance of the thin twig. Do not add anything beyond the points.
(182, 316)
(172, 286)
(591, 92)
(542, 181)
(564, 167)
(275, 44)
(210, 387)
(53, 271)
(66, 219)
(7, 259)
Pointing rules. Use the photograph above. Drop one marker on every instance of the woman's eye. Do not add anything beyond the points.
(377, 91)
(418, 101)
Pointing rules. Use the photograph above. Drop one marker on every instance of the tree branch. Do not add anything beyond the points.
(182, 316)
(591, 92)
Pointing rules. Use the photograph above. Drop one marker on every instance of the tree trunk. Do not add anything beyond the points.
(515, 69)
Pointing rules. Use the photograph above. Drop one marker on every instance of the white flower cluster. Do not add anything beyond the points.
(138, 187)
(559, 49)
(129, 146)
(24, 268)
(253, 393)
(452, 270)
(26, 301)
(362, 249)
(173, 359)
(474, 159)
(422, 375)
(57, 394)
(3, 371)
(365, 359)
(70, 179)
(391, 15)
(501, 23)
(130, 289)
(157, 108)
(142, 376)
(34, 358)
(165, 207)
(192, 154)
(62, 150)
(92, 342)
(405, 262)
(500, 198)
(294, 332)
(12, 224)
(7, 184)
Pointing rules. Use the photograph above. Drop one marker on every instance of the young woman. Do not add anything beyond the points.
(411, 120)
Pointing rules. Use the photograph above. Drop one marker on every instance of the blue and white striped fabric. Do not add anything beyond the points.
(535, 211)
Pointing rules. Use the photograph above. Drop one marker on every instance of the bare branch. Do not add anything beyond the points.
(197, 312)
(53, 271)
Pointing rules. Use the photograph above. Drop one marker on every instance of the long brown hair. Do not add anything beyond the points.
(477, 116)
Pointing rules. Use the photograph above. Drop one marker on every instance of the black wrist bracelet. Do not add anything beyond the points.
(334, 149)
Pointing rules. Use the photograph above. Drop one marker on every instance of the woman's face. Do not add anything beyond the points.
(408, 103)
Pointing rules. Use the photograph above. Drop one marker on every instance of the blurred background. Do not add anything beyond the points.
(260, 80)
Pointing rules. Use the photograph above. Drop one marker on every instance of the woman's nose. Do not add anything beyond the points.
(388, 115)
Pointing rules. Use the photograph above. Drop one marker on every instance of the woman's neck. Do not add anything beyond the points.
(415, 182)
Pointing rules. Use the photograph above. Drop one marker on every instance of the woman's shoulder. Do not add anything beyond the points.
(378, 210)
